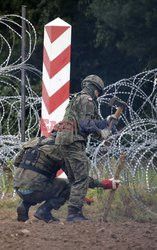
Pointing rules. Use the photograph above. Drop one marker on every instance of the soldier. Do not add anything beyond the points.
(35, 178)
(35, 182)
(82, 113)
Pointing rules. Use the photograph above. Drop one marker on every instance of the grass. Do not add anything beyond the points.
(127, 204)
(123, 208)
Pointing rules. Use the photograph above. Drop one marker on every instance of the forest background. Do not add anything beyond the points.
(114, 39)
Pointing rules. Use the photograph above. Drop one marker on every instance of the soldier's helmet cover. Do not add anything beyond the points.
(94, 80)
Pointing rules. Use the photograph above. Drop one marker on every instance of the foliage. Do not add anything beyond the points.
(126, 31)
(124, 206)
(6, 179)
(114, 39)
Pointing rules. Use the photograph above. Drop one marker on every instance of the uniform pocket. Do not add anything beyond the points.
(64, 137)
(31, 157)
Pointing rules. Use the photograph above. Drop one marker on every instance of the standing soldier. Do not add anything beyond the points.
(81, 118)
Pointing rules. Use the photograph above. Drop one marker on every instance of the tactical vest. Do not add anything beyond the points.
(72, 131)
(29, 154)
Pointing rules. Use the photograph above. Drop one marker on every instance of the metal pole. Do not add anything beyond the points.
(23, 78)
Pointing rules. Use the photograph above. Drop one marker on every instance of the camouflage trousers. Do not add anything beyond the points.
(77, 169)
(57, 192)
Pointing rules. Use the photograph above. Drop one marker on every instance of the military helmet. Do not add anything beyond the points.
(95, 80)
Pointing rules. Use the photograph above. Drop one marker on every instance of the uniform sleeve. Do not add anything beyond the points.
(86, 107)
(87, 121)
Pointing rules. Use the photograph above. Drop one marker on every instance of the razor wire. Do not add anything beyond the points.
(10, 84)
(136, 131)
(137, 137)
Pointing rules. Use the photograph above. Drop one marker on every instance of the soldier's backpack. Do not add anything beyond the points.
(33, 143)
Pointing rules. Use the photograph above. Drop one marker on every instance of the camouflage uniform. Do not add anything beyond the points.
(40, 163)
(35, 178)
(34, 186)
(72, 142)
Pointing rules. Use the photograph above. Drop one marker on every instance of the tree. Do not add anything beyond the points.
(126, 32)
(114, 39)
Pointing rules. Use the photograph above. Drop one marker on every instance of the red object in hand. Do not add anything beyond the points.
(110, 184)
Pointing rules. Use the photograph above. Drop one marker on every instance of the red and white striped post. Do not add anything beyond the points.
(56, 73)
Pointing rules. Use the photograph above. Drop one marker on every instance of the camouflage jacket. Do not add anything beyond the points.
(49, 160)
(42, 154)
(82, 109)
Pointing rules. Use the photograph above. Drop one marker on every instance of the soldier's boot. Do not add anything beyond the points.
(44, 212)
(22, 211)
(75, 215)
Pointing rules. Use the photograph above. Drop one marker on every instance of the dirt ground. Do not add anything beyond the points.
(92, 235)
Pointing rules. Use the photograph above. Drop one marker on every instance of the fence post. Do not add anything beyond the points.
(23, 77)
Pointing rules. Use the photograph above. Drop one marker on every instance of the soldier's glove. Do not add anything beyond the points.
(110, 184)
(104, 133)
(112, 122)
(88, 201)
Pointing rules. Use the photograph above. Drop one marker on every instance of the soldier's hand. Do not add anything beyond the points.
(104, 133)
(112, 122)
(110, 184)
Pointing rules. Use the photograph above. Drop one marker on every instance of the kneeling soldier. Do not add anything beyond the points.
(35, 180)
